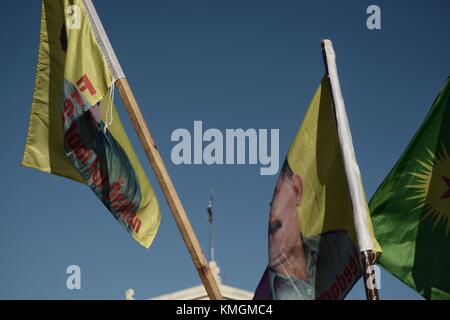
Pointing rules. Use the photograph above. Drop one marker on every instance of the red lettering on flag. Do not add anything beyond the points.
(76, 95)
(68, 108)
(84, 83)
(73, 138)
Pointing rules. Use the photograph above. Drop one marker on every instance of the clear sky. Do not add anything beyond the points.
(231, 64)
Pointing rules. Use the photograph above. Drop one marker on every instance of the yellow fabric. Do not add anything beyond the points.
(44, 149)
(315, 155)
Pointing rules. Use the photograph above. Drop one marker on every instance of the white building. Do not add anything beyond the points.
(199, 292)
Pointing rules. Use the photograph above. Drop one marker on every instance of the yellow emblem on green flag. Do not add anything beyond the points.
(75, 130)
(411, 208)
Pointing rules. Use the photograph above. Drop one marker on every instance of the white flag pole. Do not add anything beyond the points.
(352, 171)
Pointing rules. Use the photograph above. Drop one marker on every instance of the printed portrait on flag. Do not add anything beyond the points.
(301, 266)
(313, 251)
(75, 130)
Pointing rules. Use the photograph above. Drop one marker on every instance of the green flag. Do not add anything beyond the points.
(411, 209)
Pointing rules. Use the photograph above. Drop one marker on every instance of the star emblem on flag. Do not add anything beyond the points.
(447, 181)
(431, 185)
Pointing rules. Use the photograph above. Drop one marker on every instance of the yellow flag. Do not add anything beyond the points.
(313, 245)
(316, 156)
(75, 130)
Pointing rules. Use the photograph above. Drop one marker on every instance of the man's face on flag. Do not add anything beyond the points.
(284, 231)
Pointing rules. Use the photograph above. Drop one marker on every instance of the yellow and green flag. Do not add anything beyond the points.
(313, 242)
(411, 208)
(75, 130)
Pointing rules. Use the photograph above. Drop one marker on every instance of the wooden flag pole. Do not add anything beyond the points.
(153, 155)
(168, 189)
(367, 259)
(352, 172)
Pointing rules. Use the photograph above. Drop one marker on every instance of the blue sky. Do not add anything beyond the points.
(231, 64)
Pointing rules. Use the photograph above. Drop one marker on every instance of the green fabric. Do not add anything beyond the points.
(411, 209)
